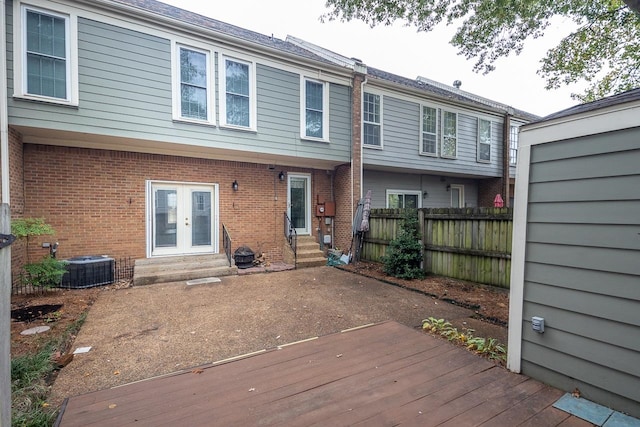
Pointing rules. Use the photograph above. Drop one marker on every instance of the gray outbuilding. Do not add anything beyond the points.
(576, 252)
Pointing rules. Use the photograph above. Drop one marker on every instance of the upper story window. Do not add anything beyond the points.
(484, 140)
(237, 93)
(315, 112)
(398, 199)
(429, 142)
(371, 120)
(194, 88)
(45, 56)
(513, 145)
(449, 134)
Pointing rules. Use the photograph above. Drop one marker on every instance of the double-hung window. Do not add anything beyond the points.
(194, 87)
(513, 145)
(237, 93)
(429, 140)
(315, 109)
(399, 199)
(371, 120)
(449, 134)
(46, 51)
(484, 141)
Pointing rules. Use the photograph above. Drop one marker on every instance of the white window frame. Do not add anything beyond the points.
(380, 97)
(390, 192)
(478, 159)
(442, 136)
(20, 54)
(423, 133)
(513, 144)
(222, 85)
(460, 194)
(303, 109)
(176, 80)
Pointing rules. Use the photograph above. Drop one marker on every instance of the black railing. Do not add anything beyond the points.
(226, 243)
(122, 271)
(292, 237)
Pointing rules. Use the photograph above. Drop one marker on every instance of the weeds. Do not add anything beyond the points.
(488, 347)
(30, 377)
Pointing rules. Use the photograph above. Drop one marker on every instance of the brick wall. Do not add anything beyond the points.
(16, 190)
(348, 177)
(95, 199)
(487, 190)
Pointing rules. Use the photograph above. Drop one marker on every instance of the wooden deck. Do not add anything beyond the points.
(381, 375)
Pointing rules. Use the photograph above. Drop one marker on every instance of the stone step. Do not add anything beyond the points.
(309, 253)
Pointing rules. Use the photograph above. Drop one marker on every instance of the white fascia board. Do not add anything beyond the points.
(608, 119)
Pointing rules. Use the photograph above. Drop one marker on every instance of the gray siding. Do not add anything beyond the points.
(125, 90)
(401, 123)
(582, 270)
(437, 195)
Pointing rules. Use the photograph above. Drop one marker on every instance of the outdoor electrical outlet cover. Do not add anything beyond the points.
(537, 323)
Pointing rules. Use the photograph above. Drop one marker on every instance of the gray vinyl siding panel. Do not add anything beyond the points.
(125, 90)
(582, 269)
(437, 195)
(401, 135)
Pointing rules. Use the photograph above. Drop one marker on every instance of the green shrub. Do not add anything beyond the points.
(44, 274)
(404, 254)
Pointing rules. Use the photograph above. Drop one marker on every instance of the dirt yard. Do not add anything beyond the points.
(140, 332)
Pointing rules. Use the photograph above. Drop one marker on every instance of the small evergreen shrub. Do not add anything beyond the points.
(404, 254)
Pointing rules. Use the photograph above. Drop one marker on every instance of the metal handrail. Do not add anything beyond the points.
(226, 243)
(292, 237)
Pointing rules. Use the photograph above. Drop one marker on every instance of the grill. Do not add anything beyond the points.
(243, 256)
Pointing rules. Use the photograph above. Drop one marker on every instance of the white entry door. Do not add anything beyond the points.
(182, 219)
(299, 203)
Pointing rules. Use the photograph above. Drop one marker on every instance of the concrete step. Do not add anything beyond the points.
(309, 253)
(311, 262)
(181, 268)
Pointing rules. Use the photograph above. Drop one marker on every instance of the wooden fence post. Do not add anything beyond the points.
(5, 320)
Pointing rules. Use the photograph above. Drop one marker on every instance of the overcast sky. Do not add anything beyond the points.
(399, 49)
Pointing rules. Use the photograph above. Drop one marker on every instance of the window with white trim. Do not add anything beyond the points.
(399, 199)
(371, 120)
(484, 141)
(237, 93)
(429, 140)
(193, 85)
(46, 56)
(513, 145)
(449, 134)
(315, 109)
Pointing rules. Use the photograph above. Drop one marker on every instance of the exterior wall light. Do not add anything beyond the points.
(281, 176)
(235, 185)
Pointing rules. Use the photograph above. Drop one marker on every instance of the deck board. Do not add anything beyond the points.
(385, 374)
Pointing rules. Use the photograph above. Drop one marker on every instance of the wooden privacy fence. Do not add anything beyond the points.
(464, 243)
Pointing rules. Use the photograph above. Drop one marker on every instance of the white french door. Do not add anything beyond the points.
(299, 202)
(183, 219)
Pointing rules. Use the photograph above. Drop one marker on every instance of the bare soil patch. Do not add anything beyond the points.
(490, 303)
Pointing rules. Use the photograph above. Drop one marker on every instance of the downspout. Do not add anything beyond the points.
(364, 82)
(506, 165)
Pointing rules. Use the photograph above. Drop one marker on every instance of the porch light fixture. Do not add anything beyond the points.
(235, 185)
(448, 187)
(281, 176)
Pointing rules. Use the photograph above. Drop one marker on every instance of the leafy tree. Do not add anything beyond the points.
(404, 254)
(604, 50)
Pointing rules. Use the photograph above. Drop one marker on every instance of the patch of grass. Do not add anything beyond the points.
(487, 347)
(30, 377)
